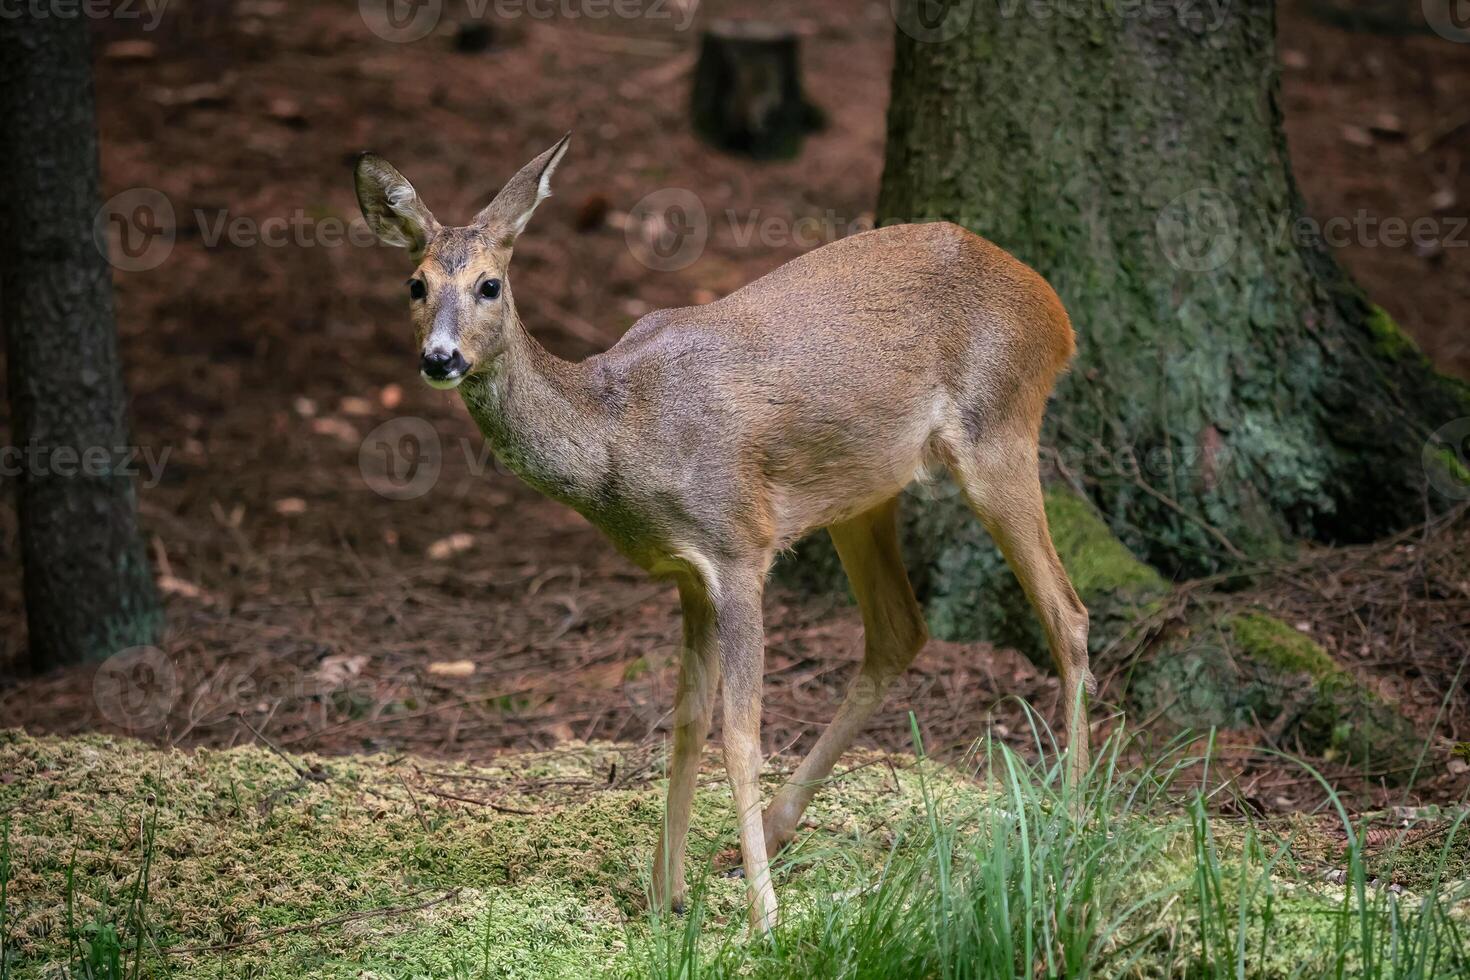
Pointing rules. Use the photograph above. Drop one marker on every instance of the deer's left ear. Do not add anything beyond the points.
(507, 216)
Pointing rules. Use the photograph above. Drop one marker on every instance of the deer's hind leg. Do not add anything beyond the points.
(893, 634)
(1001, 480)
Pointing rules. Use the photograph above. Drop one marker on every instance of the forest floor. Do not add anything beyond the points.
(118, 859)
(273, 383)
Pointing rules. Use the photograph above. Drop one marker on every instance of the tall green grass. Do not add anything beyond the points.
(4, 899)
(100, 947)
(1134, 874)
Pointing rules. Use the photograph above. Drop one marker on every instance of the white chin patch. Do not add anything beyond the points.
(443, 384)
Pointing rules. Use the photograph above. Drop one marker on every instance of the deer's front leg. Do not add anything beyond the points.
(694, 702)
(742, 662)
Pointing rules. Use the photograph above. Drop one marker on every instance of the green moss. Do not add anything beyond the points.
(1097, 562)
(1388, 337)
(1252, 670)
(243, 846)
(1267, 640)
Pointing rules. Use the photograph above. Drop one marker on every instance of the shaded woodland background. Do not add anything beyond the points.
(309, 608)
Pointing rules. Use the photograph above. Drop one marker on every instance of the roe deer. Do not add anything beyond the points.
(709, 438)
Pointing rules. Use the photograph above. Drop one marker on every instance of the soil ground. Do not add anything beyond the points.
(310, 610)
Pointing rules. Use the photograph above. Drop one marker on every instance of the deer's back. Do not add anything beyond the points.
(896, 313)
(838, 369)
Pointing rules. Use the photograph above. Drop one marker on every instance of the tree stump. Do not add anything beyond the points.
(747, 95)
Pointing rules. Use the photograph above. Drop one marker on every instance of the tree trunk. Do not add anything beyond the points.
(88, 588)
(1233, 391)
(747, 95)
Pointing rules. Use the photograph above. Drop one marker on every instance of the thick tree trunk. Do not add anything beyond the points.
(1233, 391)
(88, 588)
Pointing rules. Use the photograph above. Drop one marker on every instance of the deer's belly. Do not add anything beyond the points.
(838, 492)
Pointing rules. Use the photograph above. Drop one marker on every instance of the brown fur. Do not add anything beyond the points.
(709, 438)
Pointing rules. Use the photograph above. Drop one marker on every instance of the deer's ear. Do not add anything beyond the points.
(391, 206)
(506, 217)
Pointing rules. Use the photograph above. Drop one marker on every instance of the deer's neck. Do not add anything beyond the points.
(540, 418)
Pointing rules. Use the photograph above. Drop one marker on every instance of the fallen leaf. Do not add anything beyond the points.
(1387, 124)
(353, 405)
(339, 429)
(130, 51)
(201, 94)
(336, 669)
(452, 668)
(451, 546)
(290, 506)
(286, 111)
(171, 585)
(390, 396)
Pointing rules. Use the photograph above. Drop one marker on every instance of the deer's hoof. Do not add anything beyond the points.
(779, 832)
(775, 841)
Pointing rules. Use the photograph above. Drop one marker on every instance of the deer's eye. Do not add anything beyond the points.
(490, 289)
(416, 289)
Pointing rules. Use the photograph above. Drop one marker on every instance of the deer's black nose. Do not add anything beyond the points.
(443, 365)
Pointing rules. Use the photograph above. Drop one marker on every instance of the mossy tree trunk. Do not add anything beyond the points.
(88, 588)
(1233, 391)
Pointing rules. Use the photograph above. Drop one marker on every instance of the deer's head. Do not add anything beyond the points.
(459, 294)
